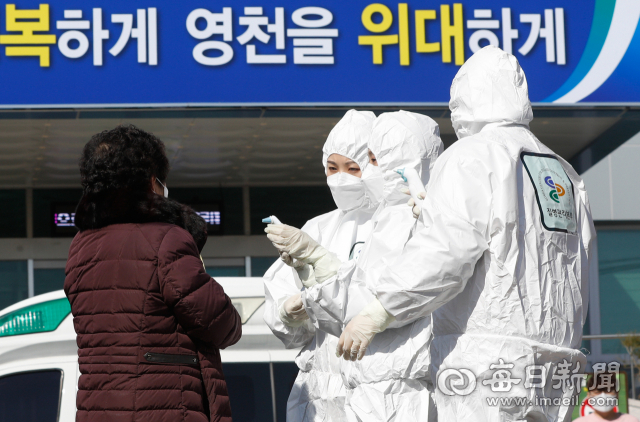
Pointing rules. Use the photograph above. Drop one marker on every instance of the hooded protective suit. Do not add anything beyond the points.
(504, 258)
(318, 393)
(390, 382)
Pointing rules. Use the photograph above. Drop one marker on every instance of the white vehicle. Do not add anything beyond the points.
(39, 361)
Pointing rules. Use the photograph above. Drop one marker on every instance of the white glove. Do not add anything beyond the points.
(293, 263)
(293, 241)
(301, 246)
(359, 333)
(415, 209)
(305, 271)
(292, 311)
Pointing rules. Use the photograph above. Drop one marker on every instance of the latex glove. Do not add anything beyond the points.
(301, 246)
(359, 333)
(415, 209)
(290, 261)
(293, 241)
(292, 311)
(305, 271)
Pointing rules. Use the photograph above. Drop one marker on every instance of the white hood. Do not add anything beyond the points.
(349, 138)
(403, 139)
(489, 88)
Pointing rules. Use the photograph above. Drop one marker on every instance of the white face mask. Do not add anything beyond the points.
(166, 191)
(373, 180)
(603, 402)
(347, 190)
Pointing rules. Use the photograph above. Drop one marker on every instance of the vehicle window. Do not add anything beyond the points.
(284, 374)
(31, 396)
(249, 387)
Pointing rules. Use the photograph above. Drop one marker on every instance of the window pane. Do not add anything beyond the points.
(43, 208)
(47, 280)
(229, 198)
(249, 391)
(260, 265)
(13, 219)
(619, 261)
(30, 396)
(13, 282)
(226, 271)
(293, 205)
(284, 375)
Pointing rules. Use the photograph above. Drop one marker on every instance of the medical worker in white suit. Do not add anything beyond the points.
(503, 262)
(319, 393)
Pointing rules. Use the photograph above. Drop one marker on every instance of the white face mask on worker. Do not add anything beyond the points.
(603, 402)
(347, 190)
(373, 180)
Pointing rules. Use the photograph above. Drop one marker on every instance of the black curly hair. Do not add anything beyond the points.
(122, 158)
(116, 168)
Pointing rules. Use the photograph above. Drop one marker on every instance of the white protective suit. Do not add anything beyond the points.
(318, 393)
(390, 382)
(504, 258)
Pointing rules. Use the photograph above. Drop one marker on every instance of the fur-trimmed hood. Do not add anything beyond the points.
(96, 211)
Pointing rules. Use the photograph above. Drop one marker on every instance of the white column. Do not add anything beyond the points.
(30, 281)
(273, 392)
(29, 206)
(247, 266)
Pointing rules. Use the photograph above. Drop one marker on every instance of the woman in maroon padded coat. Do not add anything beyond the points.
(150, 321)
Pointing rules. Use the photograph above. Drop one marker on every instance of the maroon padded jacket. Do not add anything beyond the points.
(149, 323)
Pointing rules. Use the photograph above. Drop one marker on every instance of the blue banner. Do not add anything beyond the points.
(318, 52)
